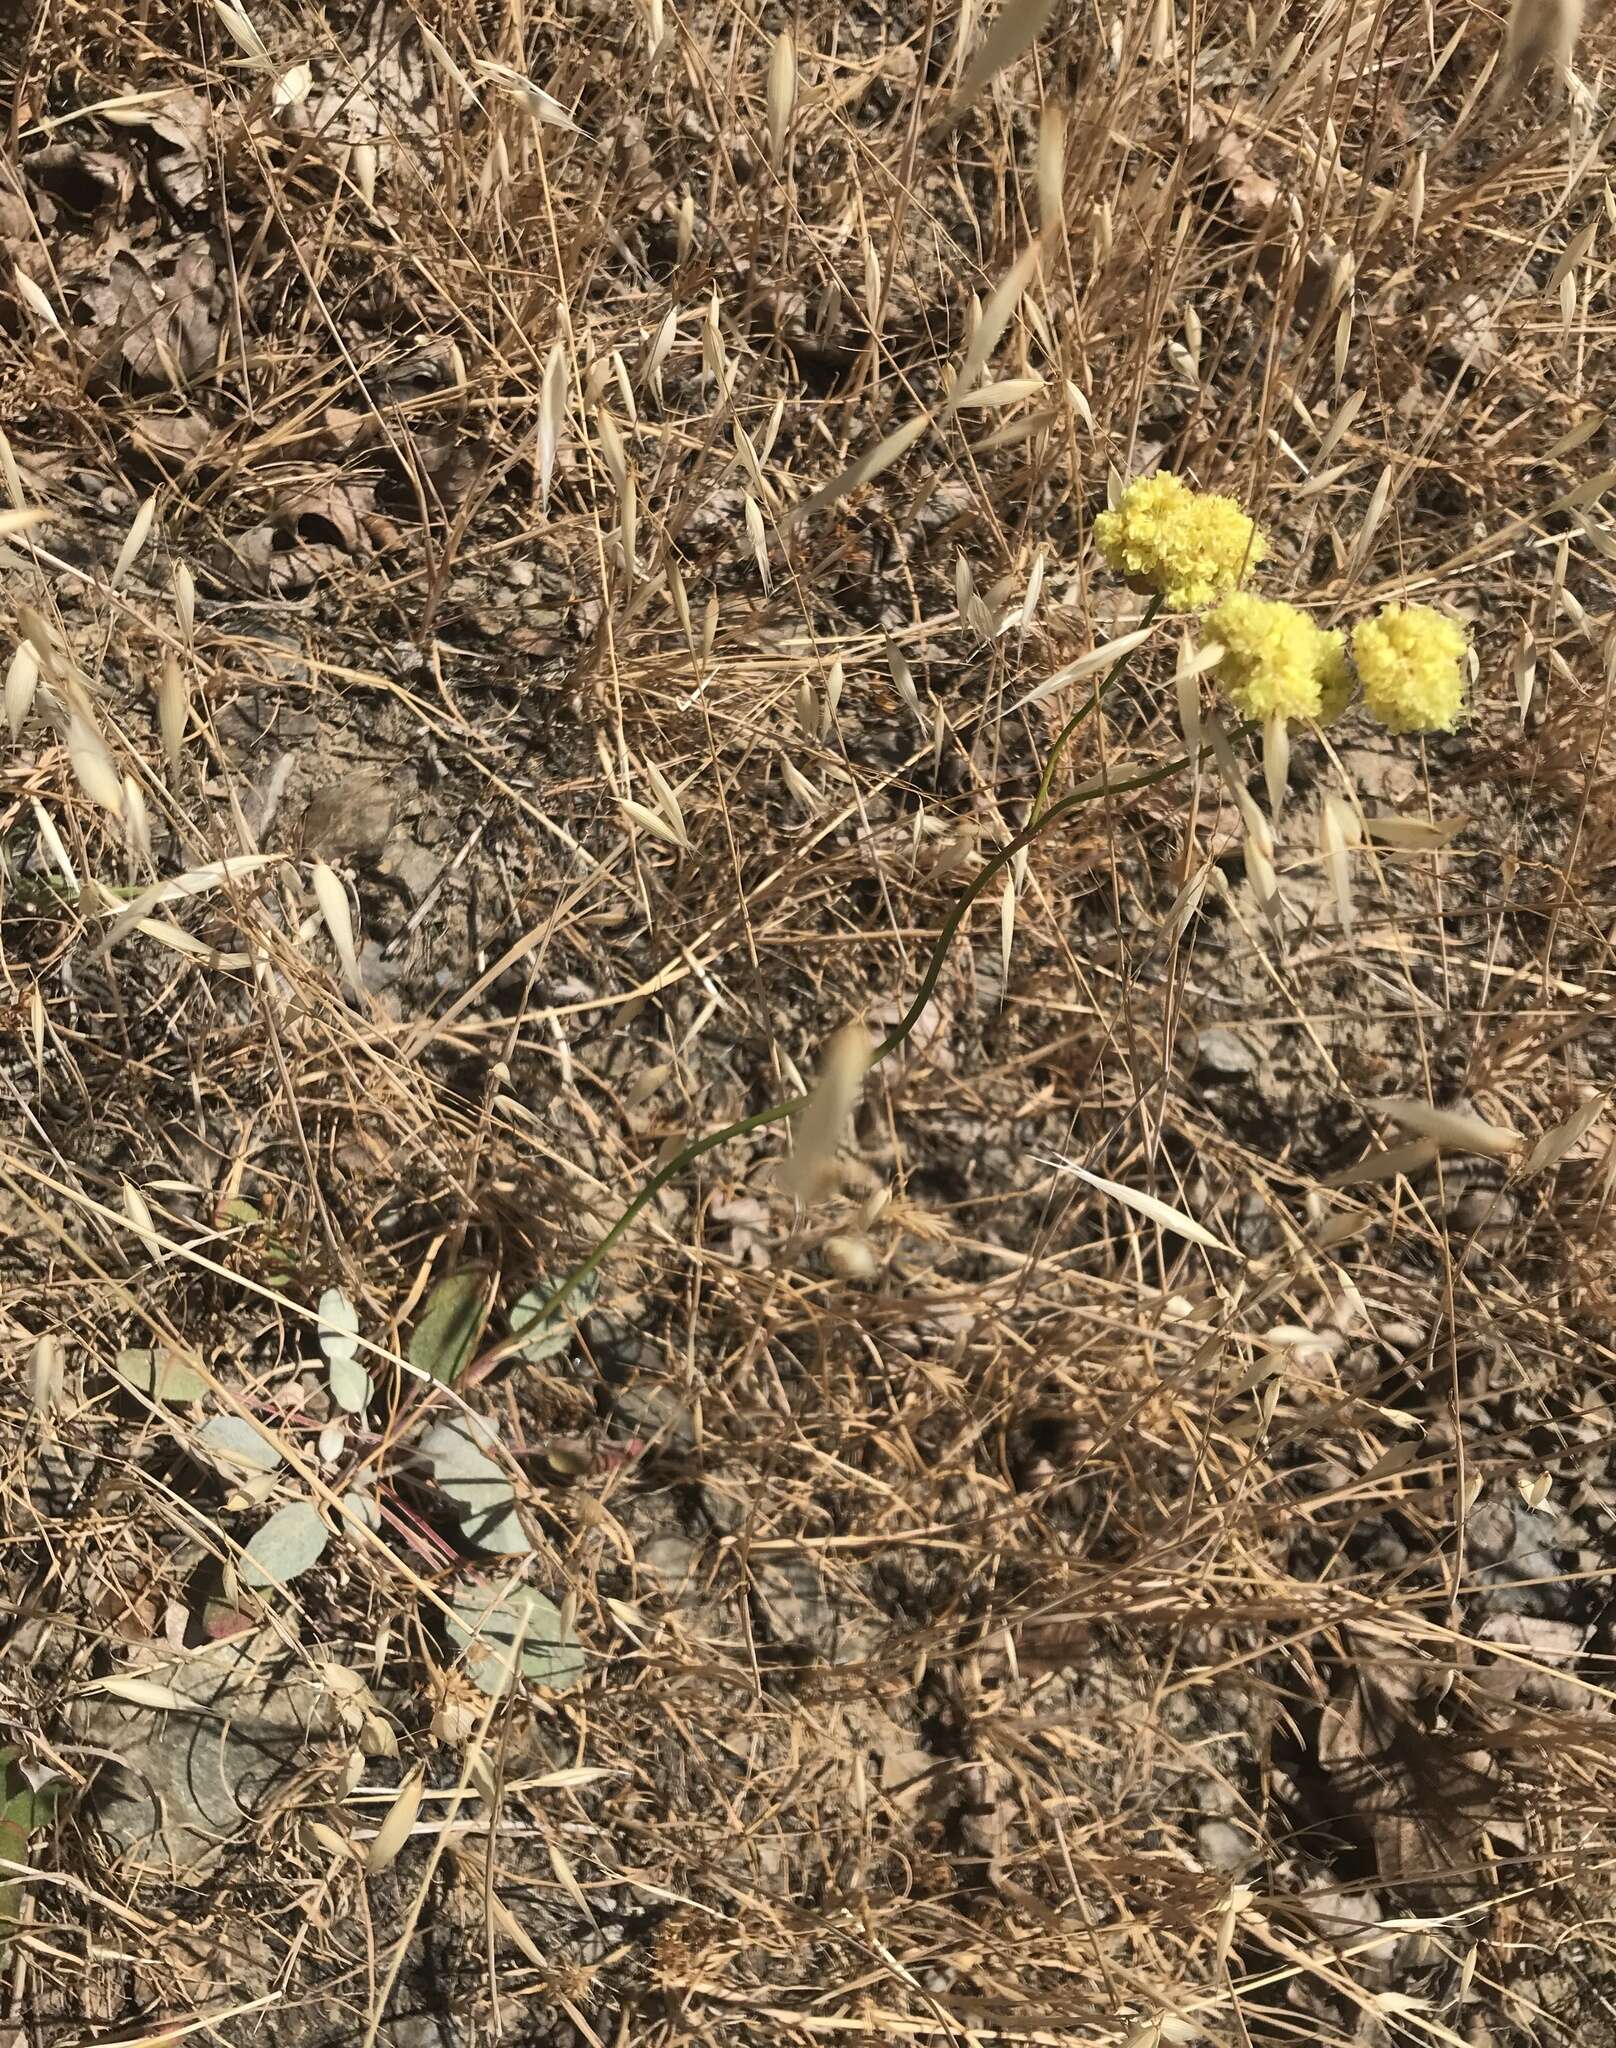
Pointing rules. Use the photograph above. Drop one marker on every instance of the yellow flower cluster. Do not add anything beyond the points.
(1193, 549)
(1277, 661)
(1188, 547)
(1411, 661)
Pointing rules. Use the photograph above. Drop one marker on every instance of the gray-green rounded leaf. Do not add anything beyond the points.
(349, 1383)
(160, 1374)
(339, 1325)
(482, 1496)
(236, 1446)
(511, 1632)
(546, 1336)
(364, 1505)
(293, 1539)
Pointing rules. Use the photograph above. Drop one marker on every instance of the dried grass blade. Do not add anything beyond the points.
(1015, 29)
(1565, 1137)
(1451, 1129)
(995, 318)
(862, 470)
(1149, 1206)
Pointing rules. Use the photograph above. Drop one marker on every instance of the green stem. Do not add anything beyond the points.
(1083, 710)
(889, 1045)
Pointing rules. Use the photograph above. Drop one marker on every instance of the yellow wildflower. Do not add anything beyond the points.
(1276, 660)
(1411, 662)
(1190, 547)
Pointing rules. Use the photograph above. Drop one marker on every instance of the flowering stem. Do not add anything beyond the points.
(761, 1119)
(1083, 711)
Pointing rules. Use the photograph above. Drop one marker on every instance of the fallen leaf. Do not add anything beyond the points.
(1416, 1796)
(160, 320)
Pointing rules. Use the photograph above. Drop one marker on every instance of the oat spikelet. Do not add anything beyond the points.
(1051, 168)
(810, 1170)
(22, 681)
(995, 317)
(782, 94)
(862, 469)
(1015, 29)
(134, 540)
(1452, 1129)
(173, 710)
(1540, 32)
(332, 899)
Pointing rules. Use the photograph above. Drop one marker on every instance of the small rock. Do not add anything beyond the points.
(1222, 1846)
(175, 1787)
(277, 655)
(1484, 1210)
(1385, 1552)
(792, 1601)
(352, 816)
(1506, 1540)
(419, 2030)
(672, 1559)
(1224, 1055)
(417, 867)
(1490, 1531)
(791, 1593)
(618, 1343)
(1342, 1915)
(649, 1410)
(726, 1511)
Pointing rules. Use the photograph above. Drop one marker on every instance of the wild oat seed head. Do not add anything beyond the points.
(1411, 663)
(1190, 547)
(1276, 661)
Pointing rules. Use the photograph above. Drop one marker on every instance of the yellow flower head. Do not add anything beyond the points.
(1411, 662)
(1276, 660)
(1191, 547)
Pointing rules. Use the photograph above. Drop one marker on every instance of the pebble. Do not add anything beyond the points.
(352, 816)
(1222, 1846)
(1343, 1915)
(1224, 1054)
(653, 1411)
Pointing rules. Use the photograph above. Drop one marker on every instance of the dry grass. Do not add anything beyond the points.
(1006, 1619)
